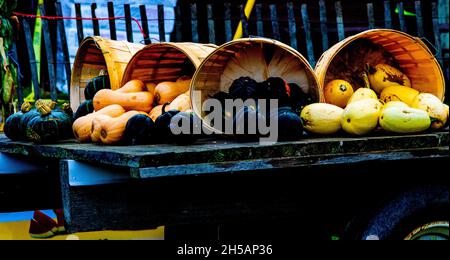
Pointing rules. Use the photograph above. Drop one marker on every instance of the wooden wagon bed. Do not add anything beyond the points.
(113, 187)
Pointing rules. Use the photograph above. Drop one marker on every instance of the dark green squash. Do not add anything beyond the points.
(246, 123)
(86, 108)
(290, 127)
(162, 126)
(49, 127)
(299, 99)
(139, 130)
(12, 126)
(95, 85)
(185, 128)
(244, 88)
(275, 88)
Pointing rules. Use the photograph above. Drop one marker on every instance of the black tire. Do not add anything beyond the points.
(406, 213)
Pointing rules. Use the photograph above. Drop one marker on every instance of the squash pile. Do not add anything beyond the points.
(388, 102)
(290, 97)
(137, 113)
(45, 124)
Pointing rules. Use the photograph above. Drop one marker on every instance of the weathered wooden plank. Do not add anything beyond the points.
(79, 22)
(307, 28)
(161, 24)
(401, 17)
(370, 15)
(15, 58)
(323, 24)
(95, 24)
(144, 21)
(419, 19)
(437, 33)
(227, 20)
(32, 57)
(128, 24)
(50, 56)
(65, 47)
(387, 15)
(211, 24)
(274, 21)
(219, 151)
(244, 21)
(292, 25)
(340, 21)
(112, 22)
(277, 193)
(194, 22)
(259, 20)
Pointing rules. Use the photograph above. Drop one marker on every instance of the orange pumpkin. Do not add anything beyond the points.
(338, 92)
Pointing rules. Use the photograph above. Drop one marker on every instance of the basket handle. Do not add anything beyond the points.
(421, 42)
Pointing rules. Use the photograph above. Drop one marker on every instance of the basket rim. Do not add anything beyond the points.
(277, 43)
(344, 43)
(175, 45)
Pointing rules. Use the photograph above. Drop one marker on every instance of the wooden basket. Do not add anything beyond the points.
(94, 55)
(166, 61)
(413, 56)
(206, 79)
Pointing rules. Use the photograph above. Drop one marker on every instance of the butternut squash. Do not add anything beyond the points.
(157, 111)
(139, 101)
(166, 92)
(82, 126)
(181, 103)
(112, 129)
(150, 86)
(96, 129)
(132, 86)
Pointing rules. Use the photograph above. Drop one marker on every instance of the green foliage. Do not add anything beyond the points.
(7, 7)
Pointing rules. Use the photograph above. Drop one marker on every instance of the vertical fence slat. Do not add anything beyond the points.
(19, 88)
(401, 17)
(178, 25)
(50, 57)
(437, 33)
(307, 28)
(274, 20)
(244, 21)
(128, 24)
(79, 23)
(340, 21)
(259, 20)
(65, 47)
(194, 22)
(387, 15)
(211, 24)
(31, 57)
(144, 21)
(95, 24)
(161, 24)
(227, 19)
(292, 25)
(112, 22)
(371, 15)
(323, 24)
(419, 19)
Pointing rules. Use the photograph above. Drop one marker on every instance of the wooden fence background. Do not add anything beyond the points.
(295, 29)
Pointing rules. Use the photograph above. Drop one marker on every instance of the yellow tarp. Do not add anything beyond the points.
(19, 231)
